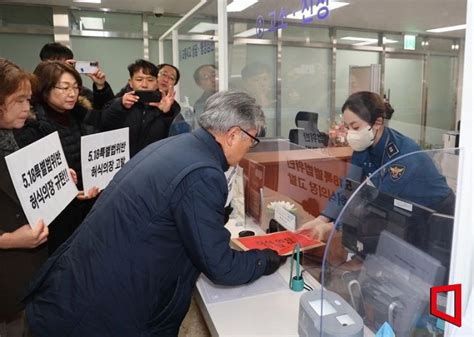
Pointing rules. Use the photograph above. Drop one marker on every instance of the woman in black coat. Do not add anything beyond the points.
(59, 107)
(22, 248)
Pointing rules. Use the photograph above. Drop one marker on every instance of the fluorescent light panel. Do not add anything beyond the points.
(365, 41)
(332, 6)
(203, 27)
(92, 23)
(88, 1)
(240, 5)
(446, 29)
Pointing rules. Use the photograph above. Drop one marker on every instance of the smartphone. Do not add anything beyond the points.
(86, 67)
(147, 96)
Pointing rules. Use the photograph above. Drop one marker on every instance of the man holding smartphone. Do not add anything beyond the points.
(101, 91)
(147, 110)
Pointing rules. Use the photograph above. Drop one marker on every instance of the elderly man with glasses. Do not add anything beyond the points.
(131, 267)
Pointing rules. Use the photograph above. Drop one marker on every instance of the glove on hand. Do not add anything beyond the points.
(274, 261)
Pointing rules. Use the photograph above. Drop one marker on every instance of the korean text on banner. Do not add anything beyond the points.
(41, 178)
(102, 156)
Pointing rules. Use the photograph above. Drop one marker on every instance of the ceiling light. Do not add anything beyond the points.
(88, 1)
(299, 14)
(365, 41)
(248, 33)
(92, 23)
(240, 5)
(446, 29)
(203, 27)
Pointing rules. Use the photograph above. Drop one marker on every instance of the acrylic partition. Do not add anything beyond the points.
(390, 243)
(300, 180)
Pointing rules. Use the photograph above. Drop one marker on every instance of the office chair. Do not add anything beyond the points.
(307, 120)
(307, 133)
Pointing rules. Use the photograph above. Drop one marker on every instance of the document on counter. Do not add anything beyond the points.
(213, 293)
(281, 242)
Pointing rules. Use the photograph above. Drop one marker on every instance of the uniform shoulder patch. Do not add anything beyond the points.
(391, 149)
(396, 171)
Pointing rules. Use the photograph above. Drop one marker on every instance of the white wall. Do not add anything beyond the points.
(114, 55)
(23, 49)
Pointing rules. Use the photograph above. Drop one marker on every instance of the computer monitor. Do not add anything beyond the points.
(395, 284)
(372, 211)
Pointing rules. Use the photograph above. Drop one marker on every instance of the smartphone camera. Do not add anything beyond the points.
(86, 67)
(148, 96)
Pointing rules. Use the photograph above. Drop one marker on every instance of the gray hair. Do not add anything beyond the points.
(227, 109)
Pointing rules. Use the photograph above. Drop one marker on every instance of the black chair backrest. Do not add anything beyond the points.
(306, 120)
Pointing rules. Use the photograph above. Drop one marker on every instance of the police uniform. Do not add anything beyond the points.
(411, 177)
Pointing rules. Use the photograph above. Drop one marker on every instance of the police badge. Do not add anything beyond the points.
(396, 171)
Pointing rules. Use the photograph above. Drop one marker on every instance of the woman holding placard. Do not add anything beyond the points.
(22, 249)
(59, 107)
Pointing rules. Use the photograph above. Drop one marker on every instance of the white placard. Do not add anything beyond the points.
(102, 156)
(41, 178)
(285, 218)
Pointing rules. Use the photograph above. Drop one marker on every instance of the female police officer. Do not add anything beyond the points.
(414, 178)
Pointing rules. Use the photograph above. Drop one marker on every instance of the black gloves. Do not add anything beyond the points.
(273, 261)
(227, 212)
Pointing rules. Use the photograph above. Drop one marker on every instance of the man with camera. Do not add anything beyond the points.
(147, 108)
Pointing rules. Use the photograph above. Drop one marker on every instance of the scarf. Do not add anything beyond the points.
(8, 143)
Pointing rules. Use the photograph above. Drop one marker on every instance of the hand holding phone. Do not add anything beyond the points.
(148, 96)
(86, 67)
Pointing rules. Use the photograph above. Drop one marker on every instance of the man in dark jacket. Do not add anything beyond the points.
(130, 268)
(148, 121)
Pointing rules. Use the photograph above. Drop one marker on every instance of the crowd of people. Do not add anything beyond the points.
(160, 217)
(124, 261)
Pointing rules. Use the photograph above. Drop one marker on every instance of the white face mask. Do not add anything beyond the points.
(361, 139)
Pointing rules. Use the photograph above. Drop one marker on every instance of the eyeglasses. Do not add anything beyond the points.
(255, 140)
(207, 77)
(166, 75)
(67, 89)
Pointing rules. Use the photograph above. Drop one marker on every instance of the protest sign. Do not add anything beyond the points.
(102, 156)
(41, 178)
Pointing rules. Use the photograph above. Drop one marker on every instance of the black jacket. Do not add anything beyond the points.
(17, 266)
(71, 126)
(147, 124)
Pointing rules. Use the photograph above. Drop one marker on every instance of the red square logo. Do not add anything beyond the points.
(434, 291)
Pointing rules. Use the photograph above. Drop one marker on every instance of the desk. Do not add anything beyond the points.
(308, 176)
(270, 314)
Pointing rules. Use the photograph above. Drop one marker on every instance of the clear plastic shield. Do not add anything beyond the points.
(392, 239)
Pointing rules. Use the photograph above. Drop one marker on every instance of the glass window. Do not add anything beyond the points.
(306, 75)
(404, 87)
(157, 26)
(394, 41)
(30, 15)
(23, 49)
(252, 68)
(106, 21)
(114, 55)
(306, 34)
(344, 60)
(356, 38)
(441, 98)
(438, 44)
